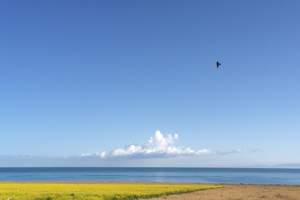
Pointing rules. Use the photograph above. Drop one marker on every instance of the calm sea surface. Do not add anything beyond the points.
(192, 175)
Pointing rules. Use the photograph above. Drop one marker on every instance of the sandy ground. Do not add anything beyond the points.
(241, 192)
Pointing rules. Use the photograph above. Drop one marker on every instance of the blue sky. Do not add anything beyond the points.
(91, 76)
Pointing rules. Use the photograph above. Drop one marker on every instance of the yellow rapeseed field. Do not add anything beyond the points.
(93, 191)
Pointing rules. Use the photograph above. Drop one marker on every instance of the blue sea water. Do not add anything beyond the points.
(174, 175)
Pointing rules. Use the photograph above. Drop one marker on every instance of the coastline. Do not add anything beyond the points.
(148, 183)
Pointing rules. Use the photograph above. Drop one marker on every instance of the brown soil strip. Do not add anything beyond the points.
(241, 192)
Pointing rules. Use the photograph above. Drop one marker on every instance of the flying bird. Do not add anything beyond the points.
(218, 64)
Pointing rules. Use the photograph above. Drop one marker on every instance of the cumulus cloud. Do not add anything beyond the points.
(159, 145)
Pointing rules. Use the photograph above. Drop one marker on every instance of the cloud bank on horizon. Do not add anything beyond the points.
(158, 146)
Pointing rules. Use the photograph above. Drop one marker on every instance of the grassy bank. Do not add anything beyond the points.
(93, 191)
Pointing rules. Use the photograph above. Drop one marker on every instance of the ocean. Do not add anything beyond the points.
(173, 175)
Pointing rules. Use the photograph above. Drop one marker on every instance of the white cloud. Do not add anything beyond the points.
(159, 145)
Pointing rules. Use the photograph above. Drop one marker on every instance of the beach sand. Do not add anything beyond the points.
(241, 192)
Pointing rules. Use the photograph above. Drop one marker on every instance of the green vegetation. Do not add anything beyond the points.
(93, 191)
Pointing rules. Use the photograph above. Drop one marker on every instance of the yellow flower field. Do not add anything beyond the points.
(93, 191)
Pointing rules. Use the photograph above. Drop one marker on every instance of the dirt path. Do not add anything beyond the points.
(242, 192)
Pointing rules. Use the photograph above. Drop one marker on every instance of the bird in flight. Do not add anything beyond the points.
(218, 64)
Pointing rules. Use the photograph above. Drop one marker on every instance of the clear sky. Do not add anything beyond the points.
(91, 76)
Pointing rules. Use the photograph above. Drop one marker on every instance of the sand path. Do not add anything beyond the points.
(241, 192)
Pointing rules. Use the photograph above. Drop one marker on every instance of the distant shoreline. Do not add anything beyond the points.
(150, 183)
(229, 168)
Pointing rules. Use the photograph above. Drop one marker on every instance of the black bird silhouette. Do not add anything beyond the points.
(218, 64)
